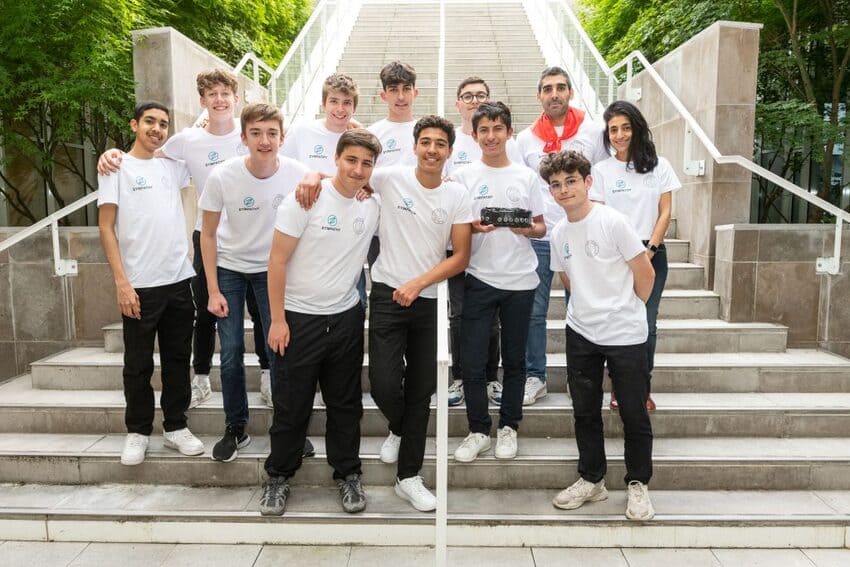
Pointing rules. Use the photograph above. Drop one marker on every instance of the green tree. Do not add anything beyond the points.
(66, 74)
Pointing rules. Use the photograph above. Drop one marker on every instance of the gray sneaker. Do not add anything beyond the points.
(351, 493)
(275, 493)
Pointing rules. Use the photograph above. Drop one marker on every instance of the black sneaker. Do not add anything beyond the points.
(309, 450)
(275, 493)
(351, 493)
(234, 438)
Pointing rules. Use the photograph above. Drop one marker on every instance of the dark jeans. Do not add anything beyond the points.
(659, 264)
(403, 369)
(328, 350)
(203, 344)
(167, 314)
(627, 366)
(480, 304)
(457, 283)
(231, 332)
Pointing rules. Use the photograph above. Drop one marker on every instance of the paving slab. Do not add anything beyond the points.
(828, 557)
(314, 556)
(212, 555)
(123, 554)
(762, 557)
(656, 557)
(563, 557)
(39, 554)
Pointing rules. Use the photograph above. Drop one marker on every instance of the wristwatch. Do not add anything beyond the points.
(651, 247)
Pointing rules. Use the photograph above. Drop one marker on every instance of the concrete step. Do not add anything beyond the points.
(795, 370)
(27, 410)
(521, 517)
(674, 335)
(741, 463)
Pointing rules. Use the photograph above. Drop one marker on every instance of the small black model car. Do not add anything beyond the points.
(500, 216)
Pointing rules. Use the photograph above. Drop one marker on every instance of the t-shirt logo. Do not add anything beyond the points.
(331, 223)
(513, 194)
(591, 248)
(359, 226)
(407, 205)
(278, 199)
(248, 202)
(483, 193)
(408, 202)
(241, 149)
(391, 144)
(620, 186)
(462, 156)
(318, 149)
(212, 156)
(439, 216)
(567, 253)
(141, 184)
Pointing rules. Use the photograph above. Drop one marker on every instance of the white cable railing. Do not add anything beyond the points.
(579, 56)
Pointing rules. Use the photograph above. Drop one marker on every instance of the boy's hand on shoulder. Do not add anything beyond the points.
(308, 189)
(110, 161)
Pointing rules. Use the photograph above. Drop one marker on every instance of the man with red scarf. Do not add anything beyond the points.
(559, 127)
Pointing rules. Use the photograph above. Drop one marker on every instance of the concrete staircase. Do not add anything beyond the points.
(493, 41)
(751, 442)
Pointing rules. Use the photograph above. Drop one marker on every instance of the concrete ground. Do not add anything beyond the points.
(45, 554)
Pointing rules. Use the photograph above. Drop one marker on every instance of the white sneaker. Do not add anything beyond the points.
(506, 443)
(266, 387)
(183, 441)
(201, 390)
(494, 392)
(579, 492)
(135, 446)
(413, 490)
(456, 393)
(535, 388)
(471, 447)
(389, 449)
(640, 506)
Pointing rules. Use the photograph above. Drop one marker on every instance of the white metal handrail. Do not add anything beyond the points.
(829, 265)
(61, 266)
(257, 64)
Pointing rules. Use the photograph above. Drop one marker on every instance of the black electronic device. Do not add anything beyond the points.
(509, 217)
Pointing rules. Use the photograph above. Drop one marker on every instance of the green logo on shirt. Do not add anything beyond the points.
(248, 202)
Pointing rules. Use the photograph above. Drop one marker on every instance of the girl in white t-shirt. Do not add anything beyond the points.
(639, 183)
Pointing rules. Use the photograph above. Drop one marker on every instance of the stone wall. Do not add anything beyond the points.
(766, 272)
(40, 313)
(714, 75)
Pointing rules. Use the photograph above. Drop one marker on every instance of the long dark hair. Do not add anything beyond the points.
(642, 154)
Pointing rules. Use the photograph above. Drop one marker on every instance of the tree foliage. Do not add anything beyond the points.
(66, 74)
(803, 70)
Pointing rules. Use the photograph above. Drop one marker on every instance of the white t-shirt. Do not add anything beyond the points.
(397, 142)
(312, 144)
(466, 150)
(500, 258)
(149, 223)
(587, 141)
(416, 224)
(246, 229)
(202, 151)
(334, 237)
(636, 195)
(594, 253)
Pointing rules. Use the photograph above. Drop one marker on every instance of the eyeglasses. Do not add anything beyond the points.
(480, 96)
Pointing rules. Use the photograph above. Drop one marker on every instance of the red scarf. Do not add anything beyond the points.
(545, 130)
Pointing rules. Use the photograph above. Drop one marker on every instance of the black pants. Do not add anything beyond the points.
(628, 370)
(167, 314)
(327, 349)
(203, 344)
(480, 304)
(403, 369)
(456, 291)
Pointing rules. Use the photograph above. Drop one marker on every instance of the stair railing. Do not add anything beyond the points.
(587, 69)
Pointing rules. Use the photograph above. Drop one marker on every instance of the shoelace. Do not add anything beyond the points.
(136, 441)
(350, 488)
(636, 491)
(273, 489)
(504, 433)
(469, 442)
(418, 485)
(579, 489)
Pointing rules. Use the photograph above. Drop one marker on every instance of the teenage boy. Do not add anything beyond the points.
(317, 330)
(395, 132)
(202, 149)
(471, 92)
(559, 127)
(501, 279)
(312, 142)
(242, 195)
(604, 264)
(420, 212)
(141, 229)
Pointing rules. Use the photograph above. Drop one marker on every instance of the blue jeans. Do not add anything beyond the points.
(481, 303)
(535, 349)
(659, 264)
(231, 333)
